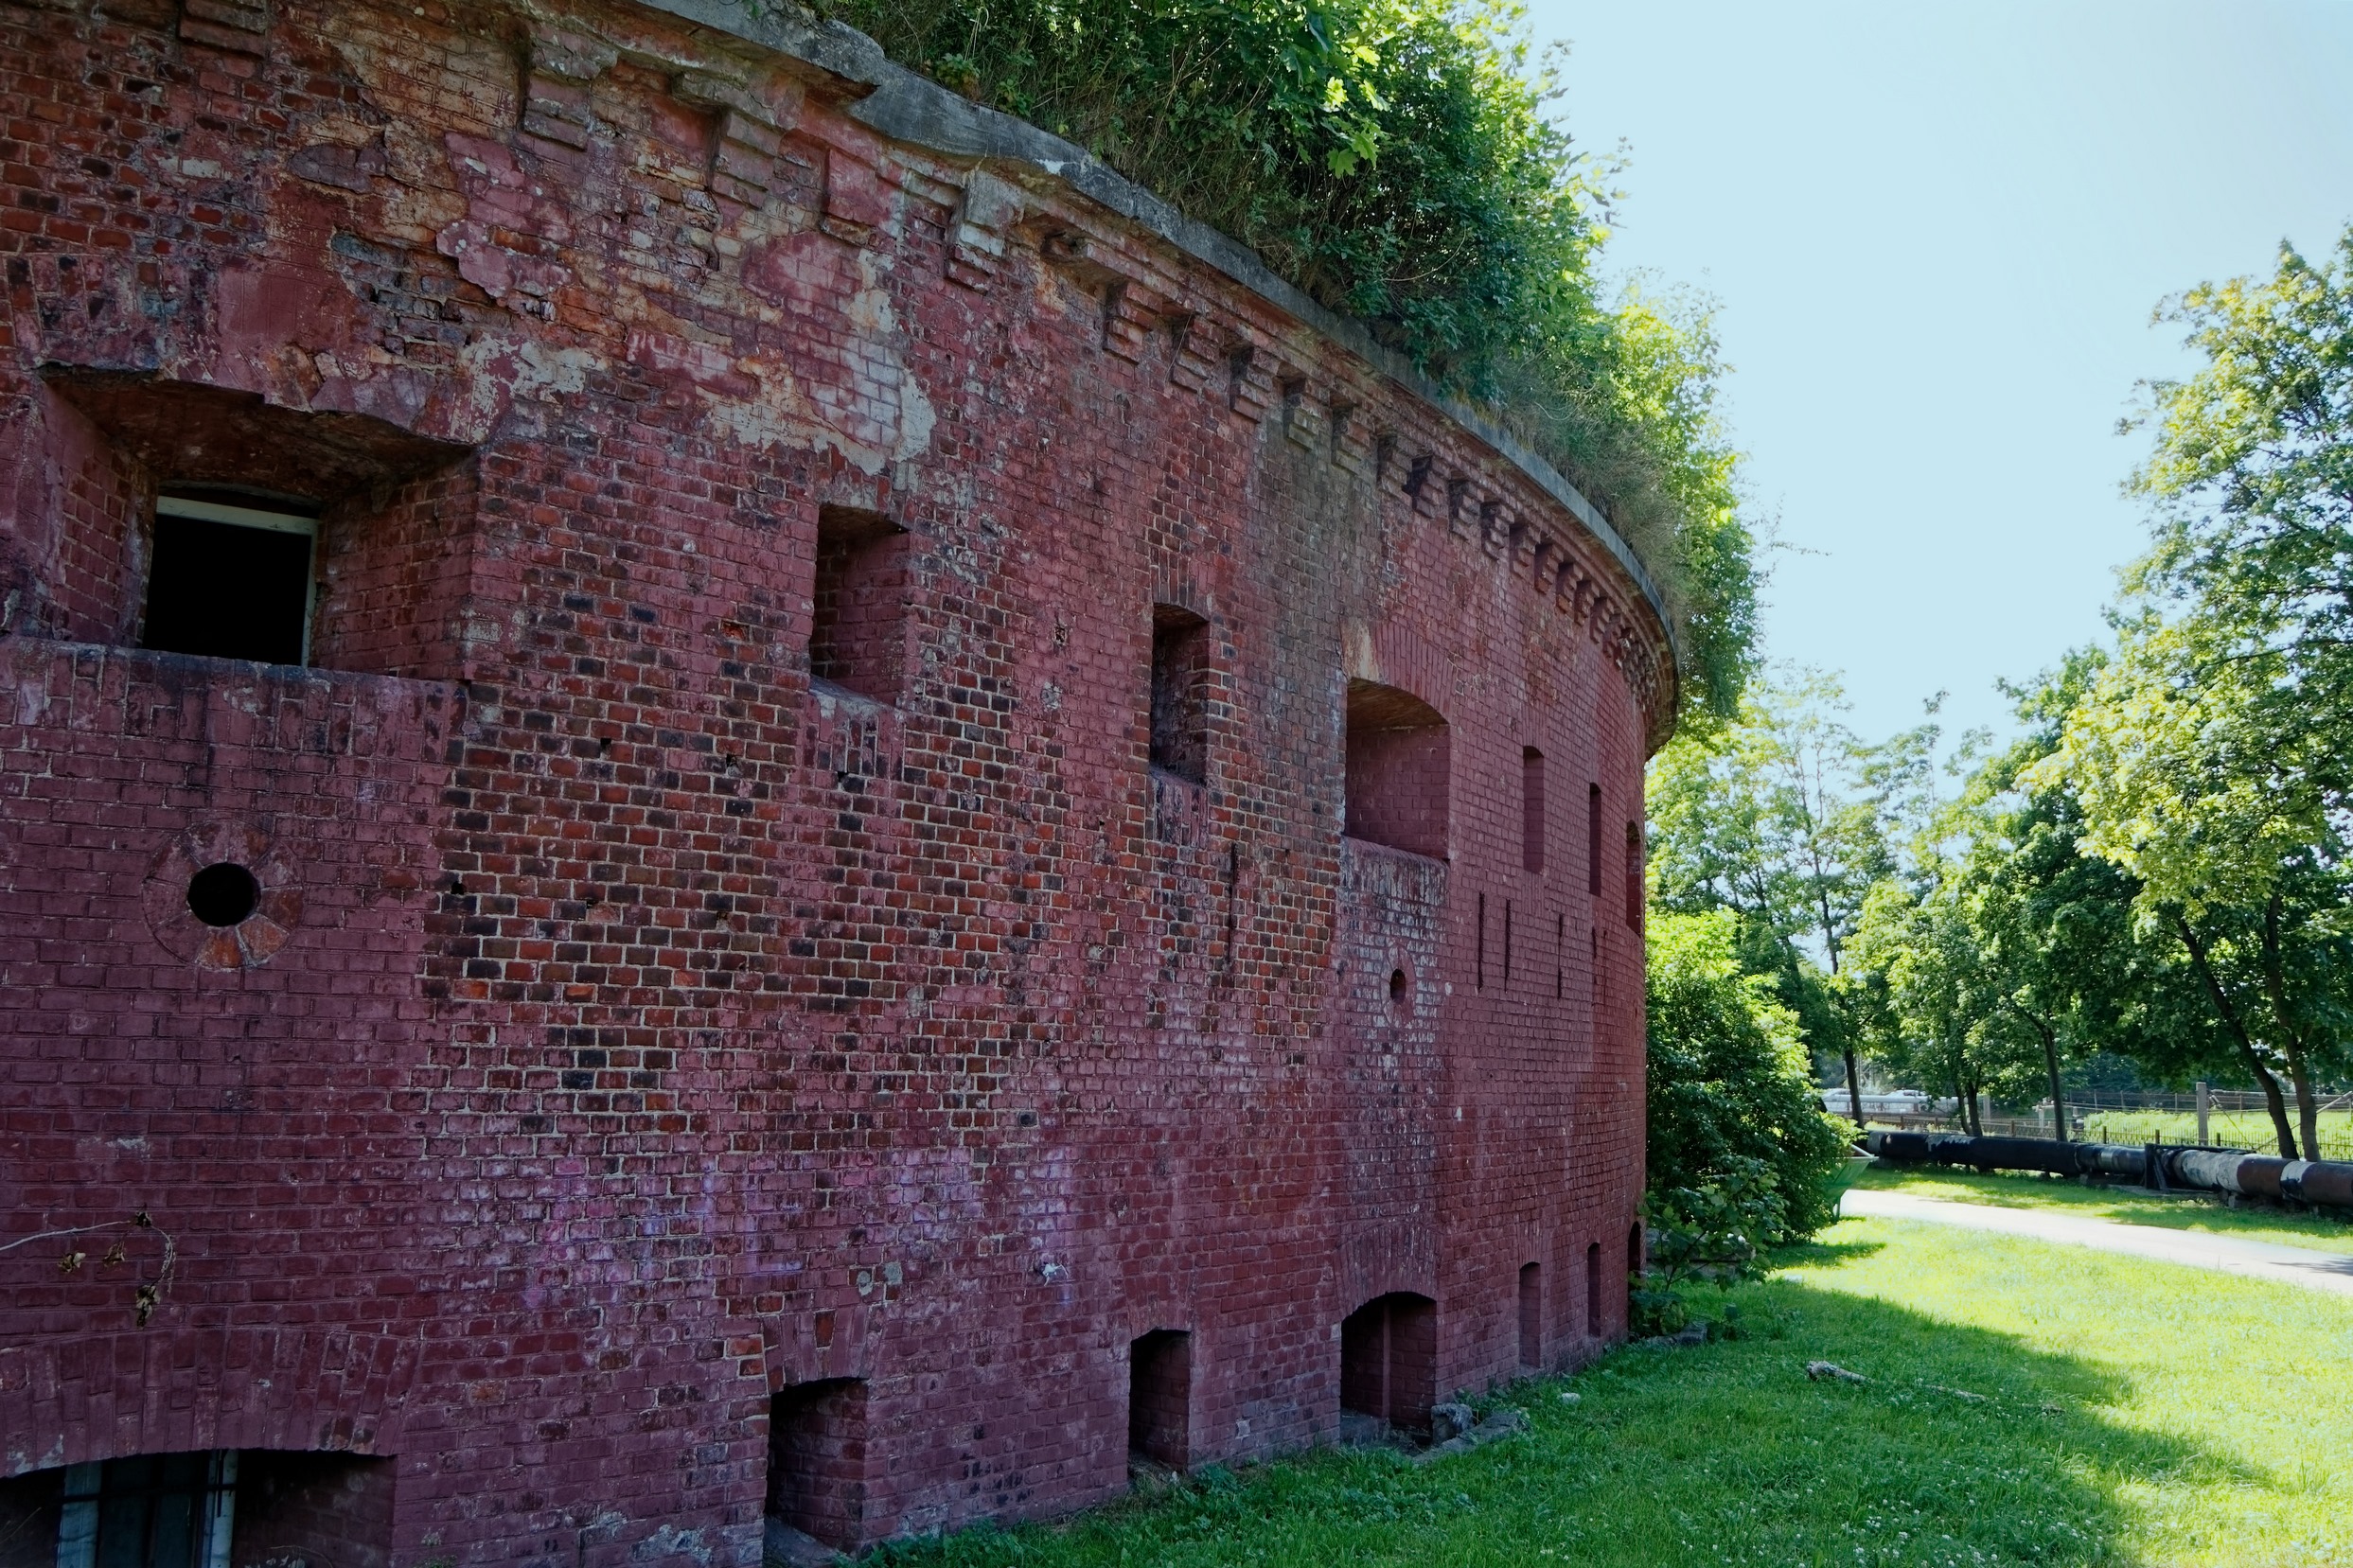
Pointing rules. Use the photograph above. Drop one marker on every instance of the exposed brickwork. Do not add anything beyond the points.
(636, 1030)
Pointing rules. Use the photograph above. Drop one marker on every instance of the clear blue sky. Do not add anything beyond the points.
(1935, 234)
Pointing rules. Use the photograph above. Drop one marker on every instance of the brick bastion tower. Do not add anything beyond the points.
(728, 794)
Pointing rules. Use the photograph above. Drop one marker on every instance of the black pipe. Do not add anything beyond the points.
(2329, 1183)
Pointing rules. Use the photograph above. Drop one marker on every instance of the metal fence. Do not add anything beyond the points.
(2217, 1100)
(2231, 1118)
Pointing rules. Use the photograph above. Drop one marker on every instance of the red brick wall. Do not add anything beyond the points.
(631, 1027)
(311, 1510)
(76, 557)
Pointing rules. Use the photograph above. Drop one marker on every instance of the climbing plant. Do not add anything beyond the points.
(1399, 162)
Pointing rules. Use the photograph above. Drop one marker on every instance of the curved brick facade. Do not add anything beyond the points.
(803, 883)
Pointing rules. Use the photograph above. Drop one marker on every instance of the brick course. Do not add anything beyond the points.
(635, 1028)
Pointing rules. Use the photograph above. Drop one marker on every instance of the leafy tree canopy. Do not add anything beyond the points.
(1730, 1095)
(1396, 159)
(2213, 758)
(1788, 819)
(2251, 476)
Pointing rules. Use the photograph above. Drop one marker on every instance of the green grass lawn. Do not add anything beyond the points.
(2125, 1412)
(2238, 1129)
(2018, 1189)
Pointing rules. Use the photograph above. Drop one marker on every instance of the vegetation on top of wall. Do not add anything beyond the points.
(1394, 160)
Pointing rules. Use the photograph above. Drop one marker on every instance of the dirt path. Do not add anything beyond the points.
(2319, 1271)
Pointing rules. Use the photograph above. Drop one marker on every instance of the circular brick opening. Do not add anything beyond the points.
(223, 893)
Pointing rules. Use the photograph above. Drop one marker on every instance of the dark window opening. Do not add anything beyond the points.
(223, 893)
(1388, 1361)
(1633, 876)
(1398, 770)
(1397, 987)
(1160, 1397)
(1593, 1289)
(1181, 672)
(280, 535)
(1531, 809)
(230, 581)
(196, 1509)
(154, 1510)
(858, 620)
(1593, 839)
(816, 1466)
(1479, 951)
(1531, 1314)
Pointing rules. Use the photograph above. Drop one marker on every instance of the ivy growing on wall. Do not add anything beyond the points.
(1398, 160)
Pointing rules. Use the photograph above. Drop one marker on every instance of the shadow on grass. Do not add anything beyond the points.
(1816, 1254)
(1965, 1447)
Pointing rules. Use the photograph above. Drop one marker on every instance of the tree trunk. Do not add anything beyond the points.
(2050, 1061)
(2291, 1038)
(2308, 1102)
(2247, 1052)
(1854, 1087)
(1976, 1118)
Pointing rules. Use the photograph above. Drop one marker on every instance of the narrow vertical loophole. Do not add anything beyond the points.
(1478, 962)
(1593, 839)
(1531, 809)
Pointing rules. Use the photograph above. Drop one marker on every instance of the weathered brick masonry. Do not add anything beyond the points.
(802, 949)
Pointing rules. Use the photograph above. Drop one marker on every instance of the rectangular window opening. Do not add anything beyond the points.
(152, 1510)
(1531, 1315)
(1160, 1397)
(231, 576)
(1398, 770)
(858, 620)
(1180, 679)
(1388, 1361)
(817, 1469)
(1531, 810)
(1593, 839)
(1478, 955)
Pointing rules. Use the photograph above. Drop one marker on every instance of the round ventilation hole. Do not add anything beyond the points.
(222, 893)
(1396, 985)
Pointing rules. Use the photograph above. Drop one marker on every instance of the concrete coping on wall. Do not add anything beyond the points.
(907, 107)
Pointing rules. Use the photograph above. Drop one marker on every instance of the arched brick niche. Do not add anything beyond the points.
(921, 829)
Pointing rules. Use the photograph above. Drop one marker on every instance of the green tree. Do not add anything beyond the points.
(2211, 797)
(2212, 757)
(1922, 950)
(2009, 949)
(2251, 479)
(1787, 821)
(1741, 1152)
